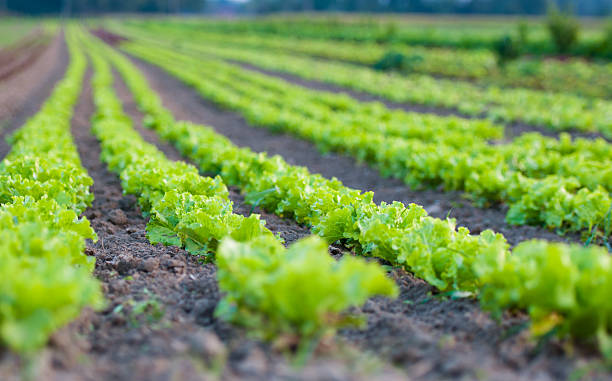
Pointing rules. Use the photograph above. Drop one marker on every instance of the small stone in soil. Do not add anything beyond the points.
(124, 266)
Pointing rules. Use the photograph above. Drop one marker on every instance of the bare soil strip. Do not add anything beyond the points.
(513, 129)
(187, 104)
(430, 337)
(22, 94)
(23, 54)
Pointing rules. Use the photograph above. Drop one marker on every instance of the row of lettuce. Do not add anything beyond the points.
(562, 184)
(45, 277)
(558, 111)
(261, 280)
(413, 30)
(564, 287)
(573, 75)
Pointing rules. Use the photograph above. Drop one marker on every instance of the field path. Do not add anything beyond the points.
(22, 94)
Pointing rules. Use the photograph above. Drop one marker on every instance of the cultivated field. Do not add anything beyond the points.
(292, 197)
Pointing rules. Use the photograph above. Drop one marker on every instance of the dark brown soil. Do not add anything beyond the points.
(108, 37)
(430, 337)
(512, 130)
(22, 95)
(186, 104)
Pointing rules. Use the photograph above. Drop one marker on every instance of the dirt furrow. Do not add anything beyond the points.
(187, 104)
(23, 54)
(146, 331)
(22, 94)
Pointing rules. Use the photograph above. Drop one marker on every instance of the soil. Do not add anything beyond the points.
(186, 104)
(23, 93)
(24, 53)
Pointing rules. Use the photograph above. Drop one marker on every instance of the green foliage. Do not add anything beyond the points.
(41, 289)
(507, 49)
(301, 292)
(560, 111)
(433, 249)
(516, 173)
(604, 46)
(563, 287)
(568, 76)
(563, 28)
(522, 33)
(185, 209)
(45, 279)
(264, 286)
(395, 61)
(198, 222)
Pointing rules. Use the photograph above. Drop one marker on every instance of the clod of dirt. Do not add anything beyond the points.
(149, 265)
(118, 217)
(125, 264)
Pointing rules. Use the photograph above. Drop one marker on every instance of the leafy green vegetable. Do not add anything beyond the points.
(449, 258)
(45, 278)
(264, 286)
(194, 212)
(573, 75)
(563, 287)
(452, 152)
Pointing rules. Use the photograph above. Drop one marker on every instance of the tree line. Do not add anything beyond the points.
(101, 6)
(525, 7)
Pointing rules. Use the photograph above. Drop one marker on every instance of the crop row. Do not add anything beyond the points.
(554, 282)
(433, 32)
(260, 278)
(573, 76)
(554, 110)
(45, 278)
(561, 184)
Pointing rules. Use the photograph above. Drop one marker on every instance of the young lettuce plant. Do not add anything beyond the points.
(566, 289)
(300, 292)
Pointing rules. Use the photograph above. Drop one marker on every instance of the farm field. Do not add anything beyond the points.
(200, 199)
